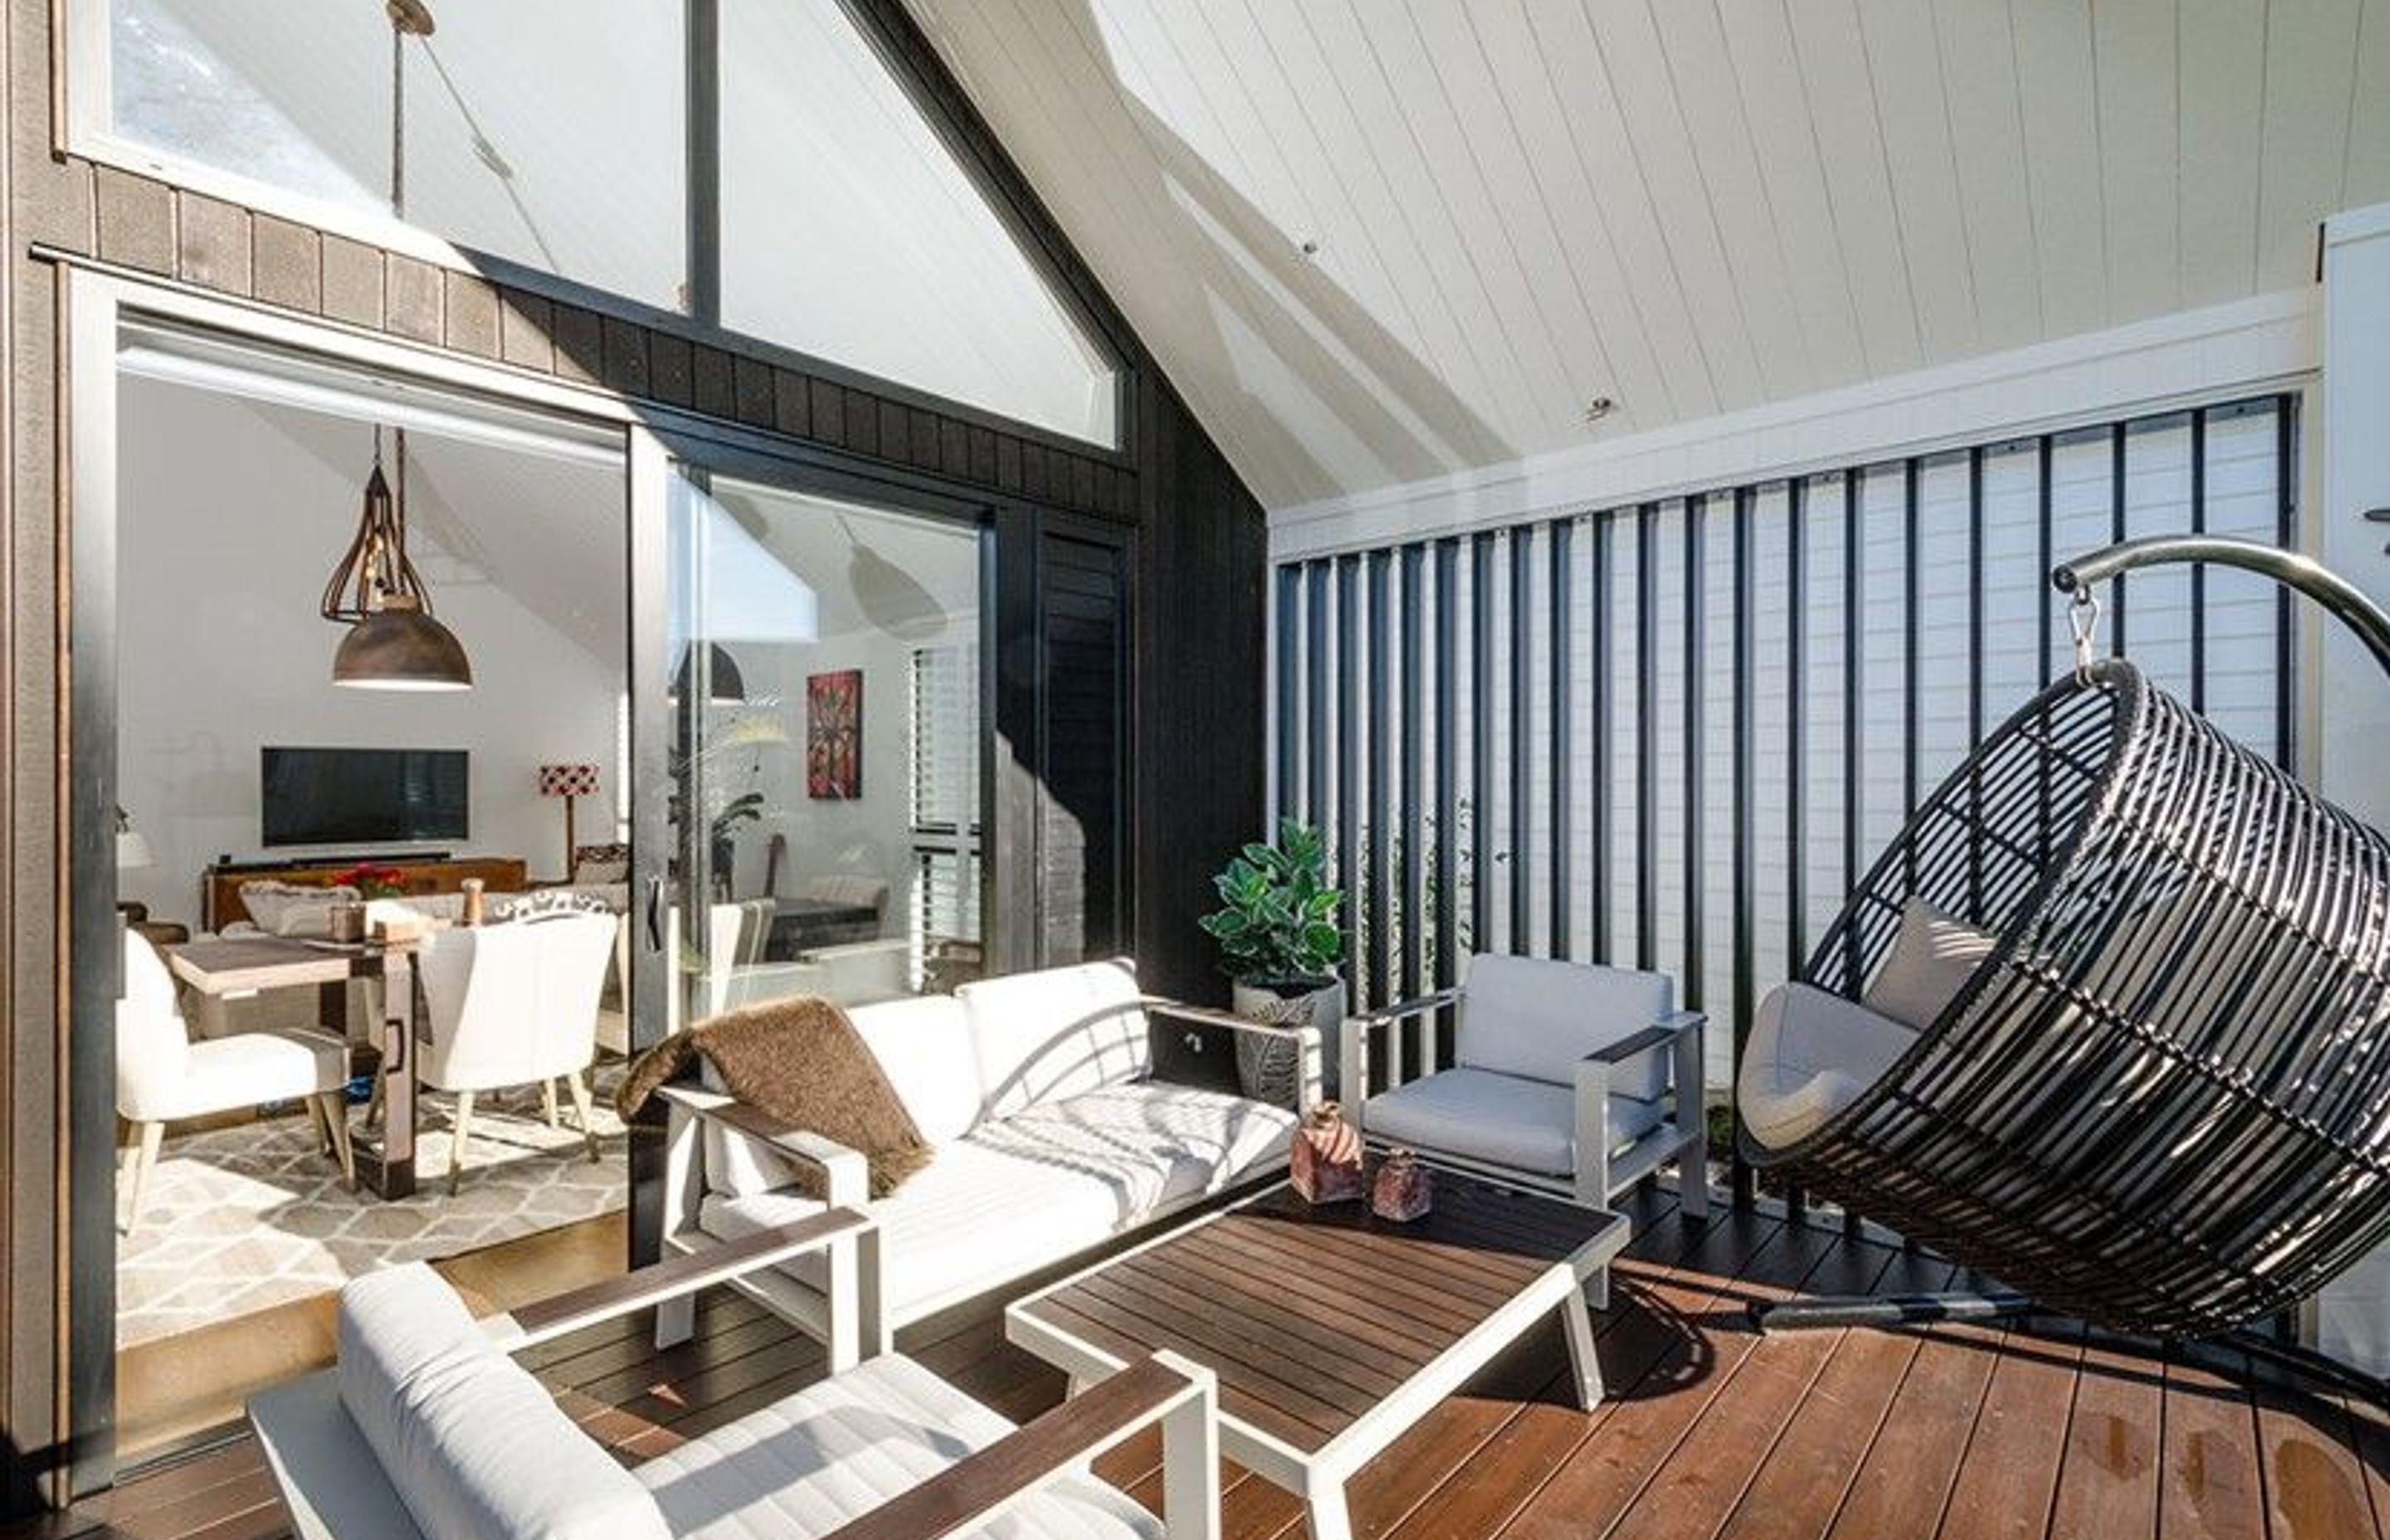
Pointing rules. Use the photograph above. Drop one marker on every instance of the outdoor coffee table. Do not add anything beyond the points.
(1330, 1330)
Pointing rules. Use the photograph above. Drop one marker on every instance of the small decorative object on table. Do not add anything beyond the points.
(472, 905)
(1402, 1189)
(347, 922)
(372, 880)
(1323, 1163)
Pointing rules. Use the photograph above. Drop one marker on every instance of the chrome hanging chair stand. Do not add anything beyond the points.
(2161, 1105)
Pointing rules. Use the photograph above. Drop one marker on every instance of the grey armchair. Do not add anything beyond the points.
(1571, 1078)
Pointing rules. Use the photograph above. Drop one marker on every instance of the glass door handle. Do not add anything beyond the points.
(655, 914)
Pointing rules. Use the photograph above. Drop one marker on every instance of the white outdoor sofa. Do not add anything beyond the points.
(427, 1429)
(1051, 1137)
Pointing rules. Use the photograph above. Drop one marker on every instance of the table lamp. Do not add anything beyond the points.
(570, 782)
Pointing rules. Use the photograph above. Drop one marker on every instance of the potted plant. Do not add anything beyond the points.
(1279, 943)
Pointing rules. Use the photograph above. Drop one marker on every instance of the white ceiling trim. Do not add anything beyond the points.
(2265, 343)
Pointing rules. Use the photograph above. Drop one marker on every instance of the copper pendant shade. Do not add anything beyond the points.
(394, 642)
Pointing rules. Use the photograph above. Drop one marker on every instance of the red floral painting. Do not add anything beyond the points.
(834, 735)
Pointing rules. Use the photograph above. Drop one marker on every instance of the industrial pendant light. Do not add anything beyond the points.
(723, 684)
(394, 642)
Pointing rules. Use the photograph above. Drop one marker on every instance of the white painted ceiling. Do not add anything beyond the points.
(1377, 240)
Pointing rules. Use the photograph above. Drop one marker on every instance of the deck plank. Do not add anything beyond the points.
(1711, 1432)
(2109, 1485)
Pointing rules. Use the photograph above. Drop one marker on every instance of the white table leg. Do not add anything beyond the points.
(1323, 1497)
(1583, 1359)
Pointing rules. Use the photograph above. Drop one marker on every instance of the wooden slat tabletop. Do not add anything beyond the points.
(1313, 1317)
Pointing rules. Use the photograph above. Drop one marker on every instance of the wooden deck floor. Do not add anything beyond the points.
(1709, 1431)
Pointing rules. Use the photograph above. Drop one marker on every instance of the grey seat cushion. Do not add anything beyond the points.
(812, 1461)
(1810, 1055)
(1503, 1119)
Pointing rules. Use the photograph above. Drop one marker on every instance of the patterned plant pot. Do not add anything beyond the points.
(1270, 1069)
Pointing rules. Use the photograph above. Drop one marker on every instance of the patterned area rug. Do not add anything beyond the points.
(238, 1219)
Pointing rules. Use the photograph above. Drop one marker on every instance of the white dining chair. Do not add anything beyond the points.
(513, 1004)
(162, 1074)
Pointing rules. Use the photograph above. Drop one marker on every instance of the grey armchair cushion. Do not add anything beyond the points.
(1501, 1120)
(1536, 1017)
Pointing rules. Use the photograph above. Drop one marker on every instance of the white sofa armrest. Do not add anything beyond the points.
(1307, 1038)
(856, 1323)
(679, 1277)
(846, 1175)
(1180, 1395)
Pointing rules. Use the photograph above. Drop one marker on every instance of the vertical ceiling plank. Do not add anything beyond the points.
(1850, 143)
(1913, 115)
(1693, 38)
(1579, 221)
(2223, 66)
(1978, 59)
(2310, 76)
(2056, 102)
(1377, 210)
(1456, 182)
(2133, 48)
(1558, 311)
(1767, 77)
(2367, 178)
(1656, 128)
(1598, 127)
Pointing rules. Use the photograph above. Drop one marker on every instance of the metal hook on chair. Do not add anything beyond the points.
(2083, 619)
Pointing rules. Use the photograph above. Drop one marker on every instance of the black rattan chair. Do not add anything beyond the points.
(2163, 1103)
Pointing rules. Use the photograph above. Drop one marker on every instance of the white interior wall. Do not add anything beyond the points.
(230, 519)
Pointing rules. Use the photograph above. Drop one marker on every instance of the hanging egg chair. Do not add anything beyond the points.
(2158, 1099)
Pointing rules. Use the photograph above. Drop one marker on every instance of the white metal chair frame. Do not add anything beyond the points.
(334, 1489)
(1600, 1174)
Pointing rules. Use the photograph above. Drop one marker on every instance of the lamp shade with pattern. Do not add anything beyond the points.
(570, 782)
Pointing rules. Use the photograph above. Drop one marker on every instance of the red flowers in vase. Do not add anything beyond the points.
(371, 880)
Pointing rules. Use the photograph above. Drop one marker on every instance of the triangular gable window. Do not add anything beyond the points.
(850, 232)
(567, 136)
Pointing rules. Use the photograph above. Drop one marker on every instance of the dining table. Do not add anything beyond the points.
(230, 967)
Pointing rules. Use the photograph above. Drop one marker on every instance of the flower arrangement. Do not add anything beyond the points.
(371, 880)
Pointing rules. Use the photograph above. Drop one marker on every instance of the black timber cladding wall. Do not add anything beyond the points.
(1187, 760)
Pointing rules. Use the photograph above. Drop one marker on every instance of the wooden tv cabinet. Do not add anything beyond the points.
(220, 902)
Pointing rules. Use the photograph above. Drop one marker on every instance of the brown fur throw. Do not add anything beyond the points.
(800, 1061)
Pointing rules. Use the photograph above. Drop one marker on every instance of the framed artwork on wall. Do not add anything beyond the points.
(834, 735)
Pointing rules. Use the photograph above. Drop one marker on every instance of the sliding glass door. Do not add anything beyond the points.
(825, 741)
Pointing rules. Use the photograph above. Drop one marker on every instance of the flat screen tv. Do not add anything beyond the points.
(362, 796)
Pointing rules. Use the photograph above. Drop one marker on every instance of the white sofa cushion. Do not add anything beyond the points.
(294, 909)
(816, 1460)
(1502, 1120)
(1536, 1017)
(1810, 1053)
(923, 1045)
(473, 1444)
(1054, 1033)
(1016, 1195)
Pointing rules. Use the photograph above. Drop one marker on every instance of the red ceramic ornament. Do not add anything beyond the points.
(1403, 1188)
(1325, 1160)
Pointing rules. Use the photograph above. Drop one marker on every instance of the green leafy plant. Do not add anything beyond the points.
(1277, 923)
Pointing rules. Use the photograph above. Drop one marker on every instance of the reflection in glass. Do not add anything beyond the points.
(851, 232)
(827, 823)
(547, 132)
